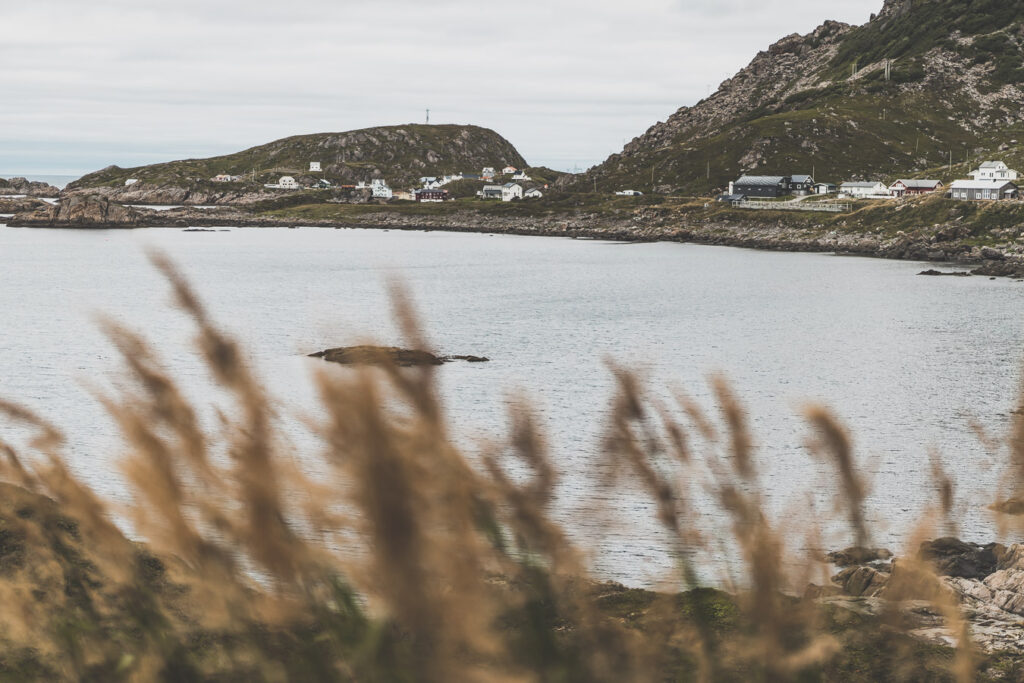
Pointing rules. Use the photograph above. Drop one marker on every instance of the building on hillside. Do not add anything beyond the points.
(801, 185)
(864, 189)
(403, 195)
(314, 167)
(629, 193)
(825, 188)
(224, 178)
(761, 186)
(491, 192)
(430, 182)
(995, 190)
(533, 193)
(509, 170)
(487, 173)
(906, 188)
(322, 184)
(521, 175)
(994, 170)
(470, 176)
(285, 183)
(510, 191)
(730, 198)
(130, 182)
(379, 188)
(431, 195)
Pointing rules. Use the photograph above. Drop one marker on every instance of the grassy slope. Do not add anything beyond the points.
(867, 129)
(398, 152)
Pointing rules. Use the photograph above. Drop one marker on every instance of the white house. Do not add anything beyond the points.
(510, 191)
(864, 190)
(285, 183)
(224, 178)
(533, 193)
(487, 173)
(430, 183)
(130, 181)
(521, 175)
(509, 170)
(379, 188)
(994, 170)
(491, 192)
(450, 178)
(629, 193)
(314, 166)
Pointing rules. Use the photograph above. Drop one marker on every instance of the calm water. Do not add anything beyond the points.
(906, 361)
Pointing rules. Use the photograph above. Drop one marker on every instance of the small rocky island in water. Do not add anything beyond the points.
(388, 355)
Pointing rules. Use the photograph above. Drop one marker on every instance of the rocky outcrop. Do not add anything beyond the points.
(953, 557)
(81, 211)
(388, 355)
(29, 188)
(855, 556)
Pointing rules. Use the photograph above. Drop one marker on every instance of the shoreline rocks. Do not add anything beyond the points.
(80, 211)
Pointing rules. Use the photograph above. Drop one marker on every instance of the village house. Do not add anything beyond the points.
(130, 182)
(974, 190)
(509, 170)
(761, 186)
(379, 188)
(403, 195)
(994, 170)
(224, 178)
(510, 191)
(431, 195)
(629, 193)
(801, 185)
(864, 189)
(285, 183)
(487, 173)
(825, 188)
(906, 188)
(322, 184)
(314, 167)
(521, 175)
(533, 193)
(430, 183)
(491, 192)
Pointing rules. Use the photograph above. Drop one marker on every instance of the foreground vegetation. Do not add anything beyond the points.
(389, 557)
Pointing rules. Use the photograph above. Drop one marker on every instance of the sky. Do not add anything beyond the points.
(86, 84)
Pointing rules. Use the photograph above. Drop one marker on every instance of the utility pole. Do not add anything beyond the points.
(428, 116)
(951, 161)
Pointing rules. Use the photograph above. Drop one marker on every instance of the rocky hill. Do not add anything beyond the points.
(29, 188)
(922, 81)
(399, 154)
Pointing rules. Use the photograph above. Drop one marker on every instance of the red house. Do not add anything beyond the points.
(903, 188)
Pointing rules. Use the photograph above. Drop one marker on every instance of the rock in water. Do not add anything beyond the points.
(81, 211)
(378, 355)
(854, 556)
(953, 557)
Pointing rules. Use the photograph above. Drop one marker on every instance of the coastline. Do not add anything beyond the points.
(956, 243)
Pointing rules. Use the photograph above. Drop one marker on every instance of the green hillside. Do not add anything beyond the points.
(399, 154)
(923, 81)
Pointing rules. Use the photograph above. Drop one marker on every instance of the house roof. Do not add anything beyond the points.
(801, 178)
(761, 180)
(919, 184)
(863, 184)
(534, 189)
(993, 164)
(512, 185)
(980, 184)
(824, 184)
(731, 197)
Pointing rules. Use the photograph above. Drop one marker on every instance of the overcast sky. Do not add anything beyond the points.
(85, 84)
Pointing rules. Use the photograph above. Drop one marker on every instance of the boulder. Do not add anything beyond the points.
(861, 581)
(953, 557)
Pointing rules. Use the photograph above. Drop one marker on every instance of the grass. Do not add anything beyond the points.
(408, 559)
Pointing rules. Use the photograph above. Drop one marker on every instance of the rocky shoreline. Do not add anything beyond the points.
(936, 244)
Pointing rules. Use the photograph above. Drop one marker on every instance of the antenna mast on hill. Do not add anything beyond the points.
(428, 117)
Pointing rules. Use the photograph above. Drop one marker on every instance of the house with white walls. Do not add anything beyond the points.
(994, 170)
(865, 190)
(379, 188)
(510, 191)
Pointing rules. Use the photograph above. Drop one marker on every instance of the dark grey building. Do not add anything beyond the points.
(994, 190)
(801, 184)
(761, 186)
